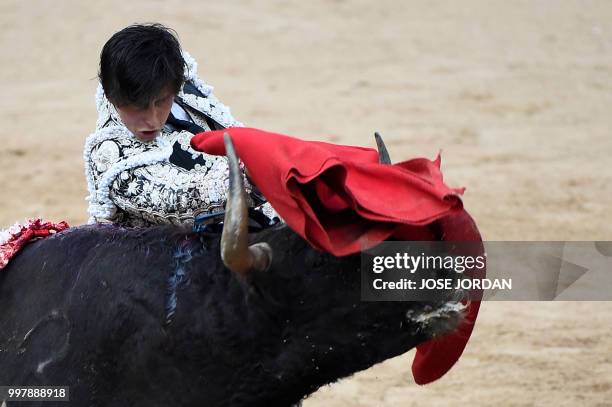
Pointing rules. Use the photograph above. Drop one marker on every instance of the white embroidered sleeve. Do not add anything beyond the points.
(210, 105)
(136, 184)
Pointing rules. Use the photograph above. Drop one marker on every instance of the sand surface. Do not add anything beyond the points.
(517, 94)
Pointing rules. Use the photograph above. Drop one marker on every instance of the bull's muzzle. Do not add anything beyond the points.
(236, 253)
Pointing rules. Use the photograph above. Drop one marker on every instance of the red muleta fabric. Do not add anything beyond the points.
(342, 201)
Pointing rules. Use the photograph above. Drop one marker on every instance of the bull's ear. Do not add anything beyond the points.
(383, 154)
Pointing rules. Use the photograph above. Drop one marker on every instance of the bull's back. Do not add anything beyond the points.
(67, 299)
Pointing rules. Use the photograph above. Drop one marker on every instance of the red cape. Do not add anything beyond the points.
(342, 201)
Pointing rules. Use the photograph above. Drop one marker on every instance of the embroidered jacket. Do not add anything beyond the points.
(163, 181)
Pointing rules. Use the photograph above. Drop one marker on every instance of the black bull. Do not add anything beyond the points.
(153, 317)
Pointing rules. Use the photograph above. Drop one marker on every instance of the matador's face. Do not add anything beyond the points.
(146, 123)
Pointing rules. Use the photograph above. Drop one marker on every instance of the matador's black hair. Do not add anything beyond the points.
(138, 63)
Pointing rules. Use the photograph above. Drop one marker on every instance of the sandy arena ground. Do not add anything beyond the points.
(516, 93)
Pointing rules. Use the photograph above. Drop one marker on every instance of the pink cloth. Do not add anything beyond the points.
(16, 237)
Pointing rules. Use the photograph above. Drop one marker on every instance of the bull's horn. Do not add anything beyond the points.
(383, 154)
(236, 253)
